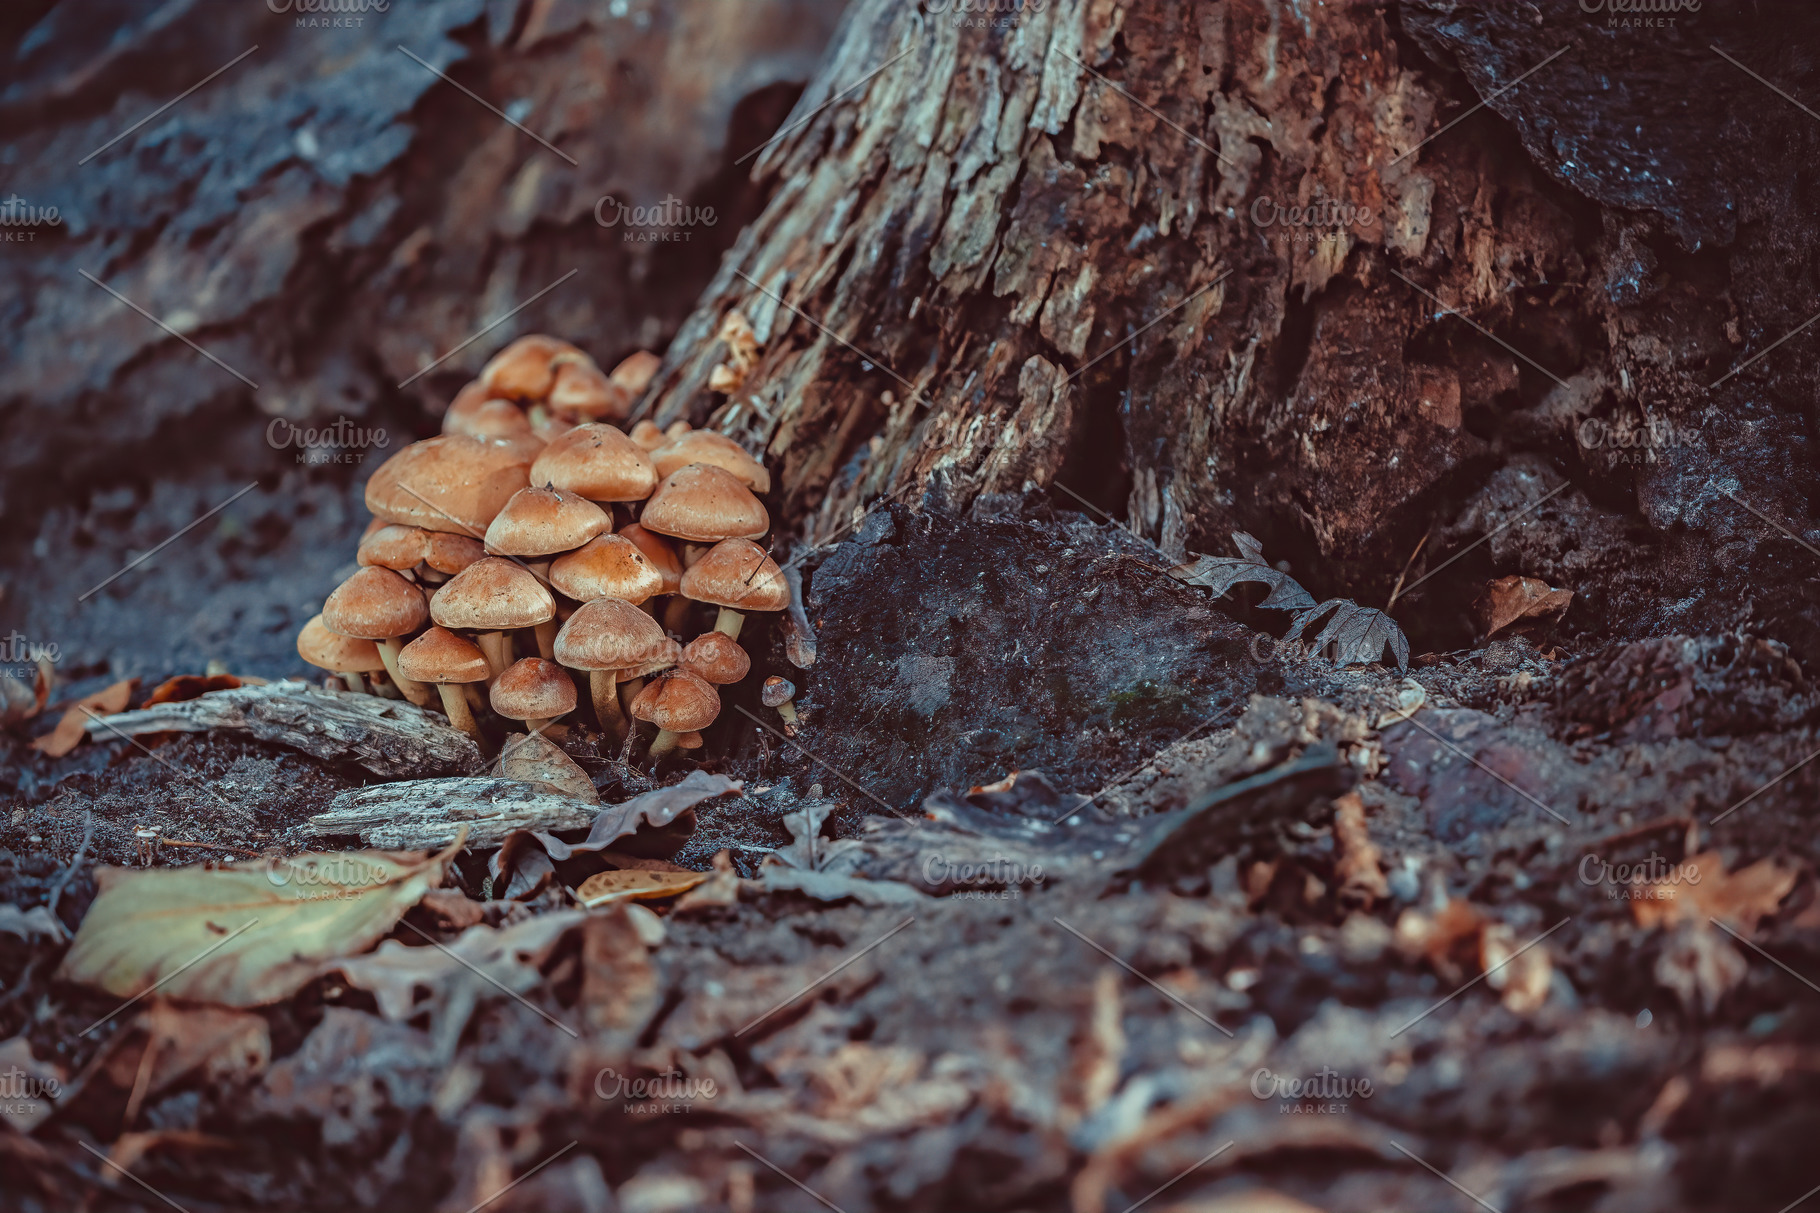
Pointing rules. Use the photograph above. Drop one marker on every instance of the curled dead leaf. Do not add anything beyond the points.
(73, 727)
(1699, 888)
(1509, 599)
(1359, 867)
(605, 888)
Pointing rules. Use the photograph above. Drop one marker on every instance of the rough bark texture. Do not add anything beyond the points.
(429, 812)
(987, 268)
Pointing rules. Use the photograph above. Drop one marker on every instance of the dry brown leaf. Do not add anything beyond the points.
(605, 888)
(74, 725)
(619, 986)
(1359, 868)
(512, 959)
(18, 702)
(246, 934)
(719, 892)
(190, 686)
(1508, 599)
(1700, 888)
(1701, 966)
(1447, 940)
(534, 758)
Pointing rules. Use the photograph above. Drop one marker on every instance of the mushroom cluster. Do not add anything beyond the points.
(535, 544)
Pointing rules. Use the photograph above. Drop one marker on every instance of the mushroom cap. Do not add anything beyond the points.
(716, 657)
(549, 426)
(331, 651)
(396, 546)
(447, 552)
(583, 389)
(659, 552)
(635, 372)
(676, 429)
(543, 521)
(678, 702)
(440, 656)
(598, 462)
(647, 436)
(609, 566)
(608, 634)
(492, 595)
(375, 604)
(533, 689)
(480, 415)
(777, 691)
(705, 504)
(708, 446)
(522, 370)
(736, 573)
(452, 483)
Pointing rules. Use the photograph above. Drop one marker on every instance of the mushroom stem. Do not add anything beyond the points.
(601, 683)
(676, 615)
(497, 649)
(416, 692)
(536, 725)
(456, 705)
(628, 691)
(664, 742)
(546, 639)
(729, 621)
(476, 701)
(352, 678)
(787, 710)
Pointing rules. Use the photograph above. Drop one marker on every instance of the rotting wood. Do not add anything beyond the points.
(392, 739)
(428, 812)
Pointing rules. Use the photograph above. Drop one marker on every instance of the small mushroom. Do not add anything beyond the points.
(427, 555)
(708, 446)
(716, 657)
(648, 436)
(607, 566)
(493, 596)
(525, 369)
(377, 604)
(703, 503)
(535, 691)
(489, 418)
(677, 702)
(689, 741)
(598, 462)
(777, 693)
(635, 372)
(736, 576)
(583, 390)
(604, 637)
(454, 482)
(442, 658)
(669, 566)
(543, 522)
(348, 656)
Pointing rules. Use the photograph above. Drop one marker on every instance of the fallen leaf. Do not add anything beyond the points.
(246, 934)
(534, 758)
(807, 849)
(1411, 698)
(1221, 573)
(190, 686)
(1699, 887)
(453, 909)
(511, 957)
(1520, 974)
(1358, 634)
(35, 923)
(1508, 599)
(832, 886)
(657, 809)
(162, 1046)
(619, 985)
(605, 888)
(1701, 966)
(1444, 940)
(1361, 873)
(73, 727)
(719, 892)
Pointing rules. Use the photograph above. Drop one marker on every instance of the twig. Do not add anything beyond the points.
(207, 846)
(1407, 565)
(88, 834)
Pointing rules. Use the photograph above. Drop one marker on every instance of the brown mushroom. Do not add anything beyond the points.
(535, 691)
(442, 658)
(708, 446)
(544, 521)
(608, 566)
(689, 741)
(777, 693)
(716, 657)
(523, 370)
(635, 372)
(662, 555)
(493, 596)
(647, 436)
(452, 483)
(480, 416)
(704, 504)
(676, 702)
(377, 604)
(582, 390)
(598, 462)
(348, 656)
(603, 637)
(736, 576)
(428, 555)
